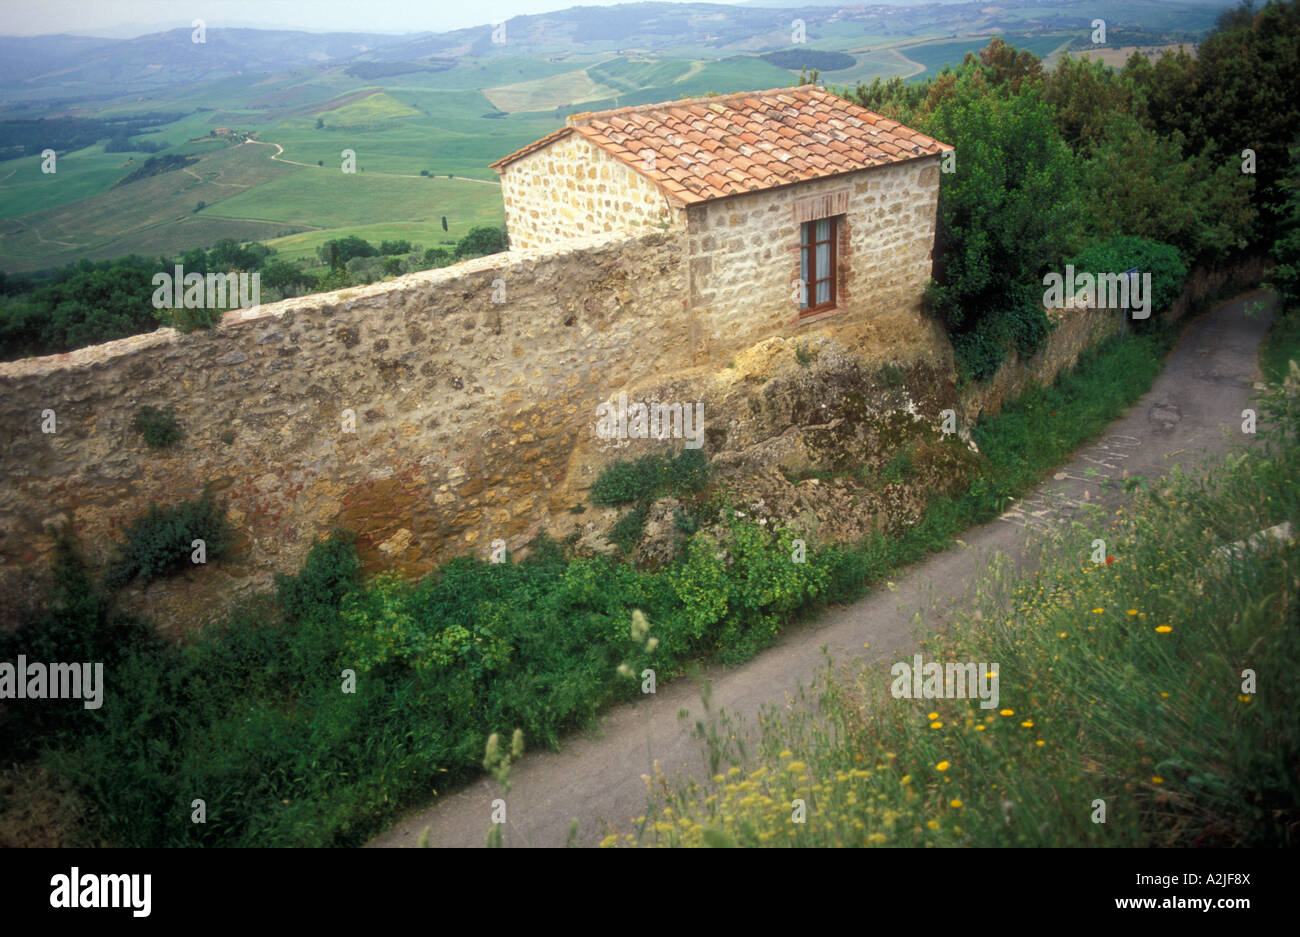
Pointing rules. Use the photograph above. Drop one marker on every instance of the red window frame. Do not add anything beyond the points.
(808, 244)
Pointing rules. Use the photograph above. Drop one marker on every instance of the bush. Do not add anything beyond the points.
(1163, 261)
(438, 257)
(626, 534)
(480, 241)
(900, 468)
(1021, 324)
(160, 541)
(651, 475)
(341, 250)
(330, 571)
(158, 427)
(1010, 213)
(76, 623)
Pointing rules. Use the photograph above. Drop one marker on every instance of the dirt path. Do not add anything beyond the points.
(1193, 409)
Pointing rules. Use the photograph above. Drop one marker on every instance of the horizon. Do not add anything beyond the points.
(128, 19)
(111, 20)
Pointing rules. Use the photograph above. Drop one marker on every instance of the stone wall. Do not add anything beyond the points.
(743, 254)
(468, 412)
(1074, 331)
(1078, 329)
(571, 188)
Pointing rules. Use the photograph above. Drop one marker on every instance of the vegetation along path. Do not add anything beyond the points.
(1192, 411)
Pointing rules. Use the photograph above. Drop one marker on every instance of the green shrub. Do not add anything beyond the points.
(480, 241)
(626, 534)
(1021, 324)
(1163, 261)
(160, 541)
(890, 375)
(158, 427)
(900, 468)
(75, 623)
(650, 476)
(331, 571)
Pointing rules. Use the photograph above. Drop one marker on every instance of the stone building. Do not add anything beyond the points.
(792, 205)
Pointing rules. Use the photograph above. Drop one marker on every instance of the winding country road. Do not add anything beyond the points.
(1193, 409)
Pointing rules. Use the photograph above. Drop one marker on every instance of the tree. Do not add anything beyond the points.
(1164, 95)
(481, 240)
(438, 257)
(1011, 213)
(1249, 70)
(1084, 94)
(229, 254)
(1141, 184)
(345, 249)
(1003, 65)
(1285, 276)
(289, 279)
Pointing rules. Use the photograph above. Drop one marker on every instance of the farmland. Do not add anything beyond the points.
(426, 114)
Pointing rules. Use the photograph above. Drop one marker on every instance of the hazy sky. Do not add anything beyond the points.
(125, 18)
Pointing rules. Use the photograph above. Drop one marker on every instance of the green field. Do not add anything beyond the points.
(80, 174)
(150, 216)
(422, 234)
(332, 199)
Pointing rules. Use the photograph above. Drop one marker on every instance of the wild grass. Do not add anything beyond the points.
(1151, 700)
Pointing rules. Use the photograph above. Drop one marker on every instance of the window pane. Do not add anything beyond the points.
(805, 232)
(823, 292)
(804, 273)
(823, 260)
(823, 229)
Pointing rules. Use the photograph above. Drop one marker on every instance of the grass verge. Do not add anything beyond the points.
(1149, 701)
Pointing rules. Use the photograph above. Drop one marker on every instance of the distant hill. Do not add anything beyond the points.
(65, 66)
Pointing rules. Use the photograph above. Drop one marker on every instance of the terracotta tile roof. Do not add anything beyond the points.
(710, 148)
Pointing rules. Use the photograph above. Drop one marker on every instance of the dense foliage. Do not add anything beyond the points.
(1116, 255)
(1049, 162)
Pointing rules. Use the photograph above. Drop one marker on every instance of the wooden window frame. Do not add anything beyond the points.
(808, 242)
